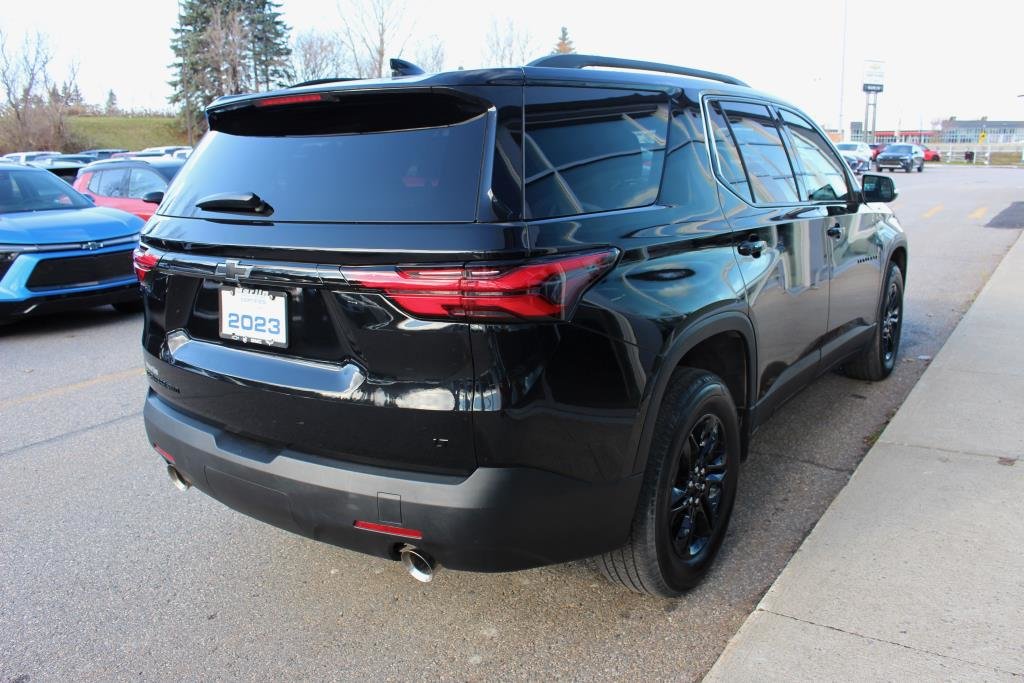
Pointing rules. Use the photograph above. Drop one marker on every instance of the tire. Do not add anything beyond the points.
(134, 306)
(696, 423)
(877, 360)
(920, 169)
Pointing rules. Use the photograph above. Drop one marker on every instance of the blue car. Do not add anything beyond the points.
(58, 251)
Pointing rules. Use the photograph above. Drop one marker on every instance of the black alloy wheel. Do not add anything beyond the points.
(688, 490)
(695, 499)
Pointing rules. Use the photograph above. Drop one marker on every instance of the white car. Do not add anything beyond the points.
(860, 149)
(25, 157)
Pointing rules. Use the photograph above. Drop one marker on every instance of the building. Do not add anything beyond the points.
(998, 132)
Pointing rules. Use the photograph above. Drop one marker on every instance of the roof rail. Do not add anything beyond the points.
(575, 61)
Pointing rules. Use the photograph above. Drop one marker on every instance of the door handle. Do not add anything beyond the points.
(835, 231)
(752, 247)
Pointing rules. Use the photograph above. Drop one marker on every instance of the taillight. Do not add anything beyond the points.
(145, 260)
(545, 289)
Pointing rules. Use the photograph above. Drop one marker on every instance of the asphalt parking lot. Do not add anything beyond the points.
(107, 571)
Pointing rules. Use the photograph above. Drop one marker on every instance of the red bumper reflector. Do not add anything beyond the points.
(167, 456)
(387, 529)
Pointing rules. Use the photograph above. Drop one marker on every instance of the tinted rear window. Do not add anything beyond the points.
(307, 166)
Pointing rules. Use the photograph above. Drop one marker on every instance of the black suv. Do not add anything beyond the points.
(504, 318)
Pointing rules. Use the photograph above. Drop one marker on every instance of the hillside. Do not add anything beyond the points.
(128, 132)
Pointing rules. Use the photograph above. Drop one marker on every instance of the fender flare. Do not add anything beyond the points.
(694, 334)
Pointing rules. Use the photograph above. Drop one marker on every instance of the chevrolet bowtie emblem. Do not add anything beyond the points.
(91, 246)
(232, 269)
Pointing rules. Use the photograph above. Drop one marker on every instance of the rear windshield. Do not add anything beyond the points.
(424, 174)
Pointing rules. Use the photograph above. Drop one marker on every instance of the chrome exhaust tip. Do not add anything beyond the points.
(180, 482)
(419, 564)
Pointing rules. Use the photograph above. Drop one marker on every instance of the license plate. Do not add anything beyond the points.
(254, 316)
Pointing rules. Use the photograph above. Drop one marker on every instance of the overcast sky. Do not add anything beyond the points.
(941, 58)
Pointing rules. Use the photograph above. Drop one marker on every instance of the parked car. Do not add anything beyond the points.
(857, 164)
(876, 149)
(859, 149)
(58, 251)
(103, 153)
(931, 154)
(132, 185)
(900, 155)
(357, 332)
(25, 157)
(166, 151)
(63, 166)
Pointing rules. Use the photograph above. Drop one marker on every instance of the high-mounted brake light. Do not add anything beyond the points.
(289, 99)
(144, 260)
(546, 289)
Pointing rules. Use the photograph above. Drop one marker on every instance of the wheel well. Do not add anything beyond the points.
(724, 354)
(899, 257)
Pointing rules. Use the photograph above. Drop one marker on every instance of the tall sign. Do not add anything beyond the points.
(874, 75)
(874, 78)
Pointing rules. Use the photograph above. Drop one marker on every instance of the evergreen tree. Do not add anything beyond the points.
(269, 44)
(564, 44)
(226, 46)
(111, 105)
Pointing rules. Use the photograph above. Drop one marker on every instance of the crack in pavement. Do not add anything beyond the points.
(1016, 674)
(76, 432)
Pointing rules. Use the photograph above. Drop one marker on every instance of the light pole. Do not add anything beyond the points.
(842, 68)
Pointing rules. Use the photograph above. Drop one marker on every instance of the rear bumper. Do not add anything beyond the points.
(495, 519)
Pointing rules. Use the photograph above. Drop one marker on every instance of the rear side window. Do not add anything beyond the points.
(359, 158)
(820, 170)
(764, 156)
(729, 164)
(142, 181)
(109, 183)
(590, 150)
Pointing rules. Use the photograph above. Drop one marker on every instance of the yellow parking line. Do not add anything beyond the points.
(58, 391)
(932, 211)
(978, 213)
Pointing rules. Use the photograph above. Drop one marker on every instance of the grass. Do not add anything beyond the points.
(127, 132)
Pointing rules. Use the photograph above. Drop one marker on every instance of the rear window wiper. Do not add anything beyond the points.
(235, 202)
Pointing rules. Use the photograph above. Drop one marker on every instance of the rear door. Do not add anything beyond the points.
(345, 192)
(779, 242)
(851, 236)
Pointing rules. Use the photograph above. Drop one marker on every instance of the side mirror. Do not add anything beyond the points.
(878, 188)
(155, 197)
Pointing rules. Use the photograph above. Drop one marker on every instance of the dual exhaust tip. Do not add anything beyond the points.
(420, 565)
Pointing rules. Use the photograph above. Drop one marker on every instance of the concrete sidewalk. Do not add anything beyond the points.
(916, 571)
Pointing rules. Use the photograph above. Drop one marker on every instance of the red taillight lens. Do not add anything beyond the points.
(546, 289)
(145, 260)
(289, 99)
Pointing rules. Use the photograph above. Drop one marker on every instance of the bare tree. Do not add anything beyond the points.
(507, 44)
(318, 54)
(373, 31)
(25, 81)
(429, 54)
(226, 41)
